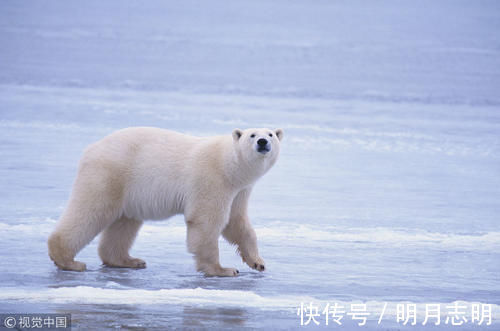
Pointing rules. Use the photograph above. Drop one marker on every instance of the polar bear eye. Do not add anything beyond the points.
(252, 135)
(271, 135)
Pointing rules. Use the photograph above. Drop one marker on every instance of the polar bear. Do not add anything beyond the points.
(146, 173)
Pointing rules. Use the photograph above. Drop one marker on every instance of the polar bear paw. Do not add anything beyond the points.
(228, 272)
(256, 263)
(136, 263)
(132, 262)
(72, 266)
(220, 272)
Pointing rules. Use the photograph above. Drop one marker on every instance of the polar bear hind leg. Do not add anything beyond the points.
(116, 241)
(95, 204)
(77, 227)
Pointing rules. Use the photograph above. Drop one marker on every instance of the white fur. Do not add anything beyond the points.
(144, 173)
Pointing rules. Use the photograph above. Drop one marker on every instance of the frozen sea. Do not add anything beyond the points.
(387, 190)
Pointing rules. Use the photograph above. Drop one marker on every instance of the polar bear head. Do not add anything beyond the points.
(258, 148)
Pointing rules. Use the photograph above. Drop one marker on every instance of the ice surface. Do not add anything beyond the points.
(387, 188)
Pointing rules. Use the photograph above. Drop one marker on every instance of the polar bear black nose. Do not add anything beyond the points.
(262, 142)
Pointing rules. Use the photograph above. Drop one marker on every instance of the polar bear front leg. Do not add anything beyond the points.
(203, 243)
(240, 232)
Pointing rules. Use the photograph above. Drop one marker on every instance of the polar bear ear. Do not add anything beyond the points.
(279, 133)
(237, 133)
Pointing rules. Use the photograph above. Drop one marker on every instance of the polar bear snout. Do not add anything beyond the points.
(262, 142)
(263, 146)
